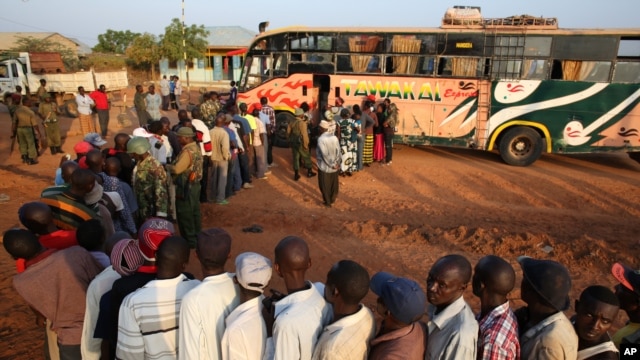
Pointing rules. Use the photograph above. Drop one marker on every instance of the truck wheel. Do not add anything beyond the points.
(70, 108)
(520, 146)
(635, 156)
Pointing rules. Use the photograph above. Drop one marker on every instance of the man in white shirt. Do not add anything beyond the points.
(205, 307)
(453, 329)
(149, 317)
(246, 332)
(85, 102)
(258, 145)
(164, 91)
(302, 314)
(90, 346)
(353, 326)
(154, 101)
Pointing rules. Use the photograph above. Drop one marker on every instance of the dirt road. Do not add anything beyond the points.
(580, 210)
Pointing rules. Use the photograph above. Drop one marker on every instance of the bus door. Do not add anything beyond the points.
(321, 88)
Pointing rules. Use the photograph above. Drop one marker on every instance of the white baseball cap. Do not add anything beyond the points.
(253, 271)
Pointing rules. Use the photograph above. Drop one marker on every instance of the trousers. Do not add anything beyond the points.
(301, 153)
(217, 180)
(329, 184)
(189, 217)
(52, 130)
(103, 120)
(26, 142)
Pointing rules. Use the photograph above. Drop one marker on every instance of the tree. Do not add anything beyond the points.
(195, 41)
(114, 41)
(145, 51)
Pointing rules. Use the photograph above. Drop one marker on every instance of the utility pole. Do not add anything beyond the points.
(184, 53)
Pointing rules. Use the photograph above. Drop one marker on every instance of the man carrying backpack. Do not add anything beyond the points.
(299, 141)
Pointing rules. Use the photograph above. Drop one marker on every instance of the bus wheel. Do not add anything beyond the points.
(520, 146)
(635, 156)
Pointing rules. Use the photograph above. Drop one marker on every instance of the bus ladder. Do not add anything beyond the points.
(484, 111)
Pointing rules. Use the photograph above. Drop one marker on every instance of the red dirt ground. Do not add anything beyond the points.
(580, 210)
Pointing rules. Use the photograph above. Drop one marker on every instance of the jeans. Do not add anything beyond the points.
(243, 159)
(237, 175)
(261, 164)
(229, 186)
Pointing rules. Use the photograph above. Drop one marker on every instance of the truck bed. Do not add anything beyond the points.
(113, 80)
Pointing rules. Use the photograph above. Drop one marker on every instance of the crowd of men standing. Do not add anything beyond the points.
(104, 233)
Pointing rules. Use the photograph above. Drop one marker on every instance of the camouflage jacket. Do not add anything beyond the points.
(151, 188)
(209, 110)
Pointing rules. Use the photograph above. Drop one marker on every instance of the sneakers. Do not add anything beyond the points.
(272, 165)
(223, 202)
(267, 172)
(388, 163)
(263, 178)
(247, 186)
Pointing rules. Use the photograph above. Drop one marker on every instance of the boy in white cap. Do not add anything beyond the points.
(246, 333)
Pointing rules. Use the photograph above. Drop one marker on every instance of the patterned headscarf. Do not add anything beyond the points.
(125, 257)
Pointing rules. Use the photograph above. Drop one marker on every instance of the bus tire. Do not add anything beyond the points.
(520, 146)
(282, 121)
(635, 156)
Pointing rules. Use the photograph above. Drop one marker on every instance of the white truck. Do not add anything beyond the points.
(26, 69)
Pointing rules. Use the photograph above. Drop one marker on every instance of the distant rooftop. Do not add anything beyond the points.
(229, 36)
(83, 49)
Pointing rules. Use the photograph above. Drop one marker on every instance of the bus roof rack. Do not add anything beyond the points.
(471, 17)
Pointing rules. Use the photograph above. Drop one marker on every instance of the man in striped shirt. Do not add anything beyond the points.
(493, 280)
(148, 319)
(69, 207)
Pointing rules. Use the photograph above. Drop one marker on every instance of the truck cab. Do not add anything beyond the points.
(11, 74)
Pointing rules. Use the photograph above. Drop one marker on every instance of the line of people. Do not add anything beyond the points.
(141, 304)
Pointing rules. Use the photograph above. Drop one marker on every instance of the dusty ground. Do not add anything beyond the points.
(580, 210)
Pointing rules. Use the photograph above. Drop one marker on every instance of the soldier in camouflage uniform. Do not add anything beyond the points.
(186, 173)
(48, 111)
(141, 106)
(149, 183)
(208, 111)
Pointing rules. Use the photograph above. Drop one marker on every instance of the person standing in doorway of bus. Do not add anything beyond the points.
(165, 91)
(271, 127)
(389, 125)
(102, 108)
(85, 103)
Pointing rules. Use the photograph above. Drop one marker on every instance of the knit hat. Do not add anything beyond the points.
(253, 271)
(125, 257)
(151, 234)
(549, 279)
(403, 297)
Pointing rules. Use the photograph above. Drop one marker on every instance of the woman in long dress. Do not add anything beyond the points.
(348, 143)
(378, 134)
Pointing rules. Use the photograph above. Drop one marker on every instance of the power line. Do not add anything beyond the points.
(45, 30)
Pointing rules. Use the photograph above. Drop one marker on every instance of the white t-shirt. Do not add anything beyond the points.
(90, 347)
(84, 104)
(300, 318)
(202, 317)
(347, 338)
(148, 320)
(246, 333)
(164, 87)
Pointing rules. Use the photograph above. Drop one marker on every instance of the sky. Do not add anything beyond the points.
(86, 19)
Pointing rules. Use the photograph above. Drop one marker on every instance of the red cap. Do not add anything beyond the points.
(371, 97)
(151, 234)
(82, 147)
(257, 106)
